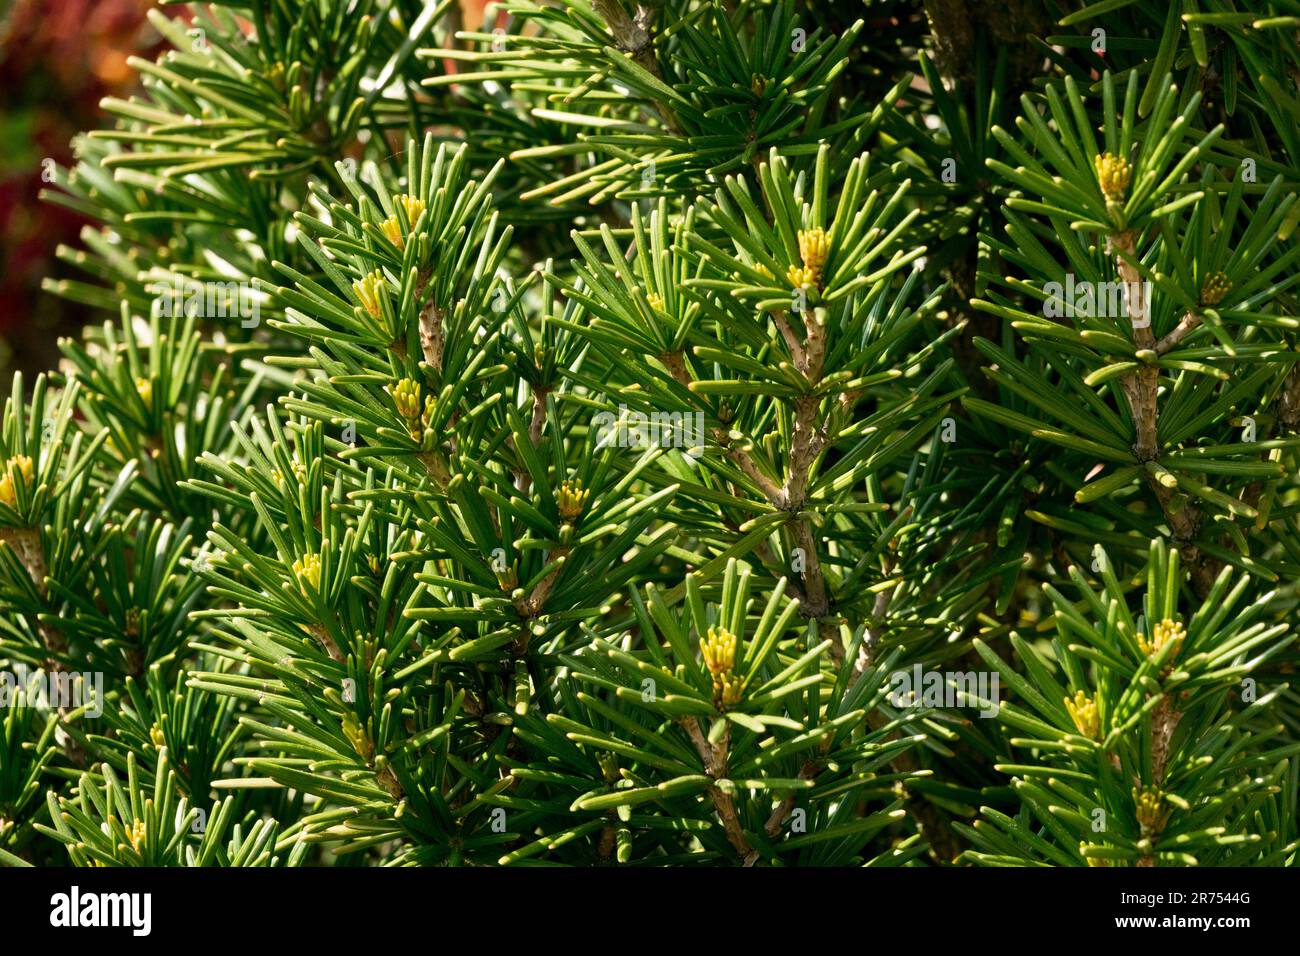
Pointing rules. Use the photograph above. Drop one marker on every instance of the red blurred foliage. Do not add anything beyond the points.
(58, 58)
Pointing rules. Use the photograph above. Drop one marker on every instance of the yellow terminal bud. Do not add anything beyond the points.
(392, 230)
(718, 647)
(1113, 175)
(801, 278)
(655, 301)
(368, 290)
(814, 250)
(137, 834)
(719, 650)
(1149, 805)
(726, 691)
(763, 270)
(17, 465)
(406, 397)
(571, 499)
(307, 568)
(358, 737)
(1163, 634)
(144, 388)
(1084, 713)
(1217, 285)
(156, 735)
(413, 206)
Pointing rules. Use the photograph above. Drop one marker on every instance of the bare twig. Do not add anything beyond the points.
(635, 36)
(431, 334)
(714, 757)
(523, 480)
(28, 547)
(1186, 325)
(1141, 388)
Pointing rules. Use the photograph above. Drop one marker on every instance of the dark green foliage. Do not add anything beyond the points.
(565, 441)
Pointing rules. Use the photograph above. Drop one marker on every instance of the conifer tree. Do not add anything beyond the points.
(668, 433)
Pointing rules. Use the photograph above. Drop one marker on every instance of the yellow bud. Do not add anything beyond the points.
(144, 388)
(406, 397)
(571, 498)
(307, 568)
(655, 301)
(1163, 634)
(814, 250)
(413, 206)
(1149, 806)
(156, 735)
(1113, 175)
(368, 290)
(726, 691)
(801, 278)
(392, 230)
(1084, 713)
(138, 833)
(15, 466)
(719, 650)
(1216, 286)
(358, 737)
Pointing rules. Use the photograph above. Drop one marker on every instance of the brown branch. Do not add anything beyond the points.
(432, 339)
(791, 340)
(1186, 325)
(714, 757)
(388, 780)
(634, 35)
(871, 637)
(530, 606)
(1141, 388)
(1164, 721)
(1288, 403)
(817, 604)
(675, 363)
(523, 480)
(740, 458)
(29, 549)
(782, 811)
(436, 466)
(326, 641)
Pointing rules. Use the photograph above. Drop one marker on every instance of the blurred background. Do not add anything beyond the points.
(58, 59)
